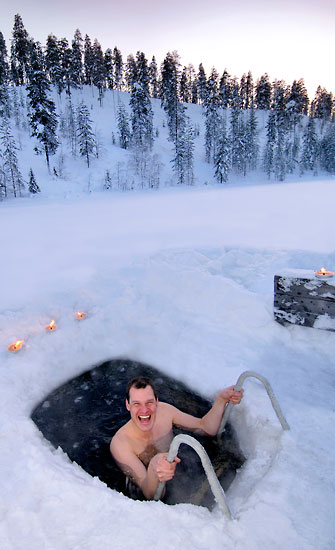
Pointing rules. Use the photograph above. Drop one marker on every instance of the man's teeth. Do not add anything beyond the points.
(144, 417)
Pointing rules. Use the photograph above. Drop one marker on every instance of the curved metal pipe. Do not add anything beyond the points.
(271, 395)
(206, 463)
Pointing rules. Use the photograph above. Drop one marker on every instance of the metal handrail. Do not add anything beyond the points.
(207, 465)
(271, 395)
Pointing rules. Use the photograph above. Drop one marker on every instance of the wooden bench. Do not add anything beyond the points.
(303, 299)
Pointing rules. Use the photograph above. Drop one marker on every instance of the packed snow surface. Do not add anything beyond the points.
(181, 280)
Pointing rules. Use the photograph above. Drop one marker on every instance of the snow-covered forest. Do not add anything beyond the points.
(133, 124)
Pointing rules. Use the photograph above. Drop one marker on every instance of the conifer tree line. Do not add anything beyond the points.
(229, 107)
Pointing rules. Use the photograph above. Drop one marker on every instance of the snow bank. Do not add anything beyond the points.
(183, 281)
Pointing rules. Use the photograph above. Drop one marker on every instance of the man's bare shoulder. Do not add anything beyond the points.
(120, 438)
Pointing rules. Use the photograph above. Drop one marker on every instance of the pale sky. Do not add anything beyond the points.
(288, 39)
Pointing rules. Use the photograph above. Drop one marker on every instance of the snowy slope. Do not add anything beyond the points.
(182, 280)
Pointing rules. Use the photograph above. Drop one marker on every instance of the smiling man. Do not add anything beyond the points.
(140, 446)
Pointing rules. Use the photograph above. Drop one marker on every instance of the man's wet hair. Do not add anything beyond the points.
(140, 382)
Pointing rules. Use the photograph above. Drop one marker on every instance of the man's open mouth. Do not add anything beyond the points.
(144, 419)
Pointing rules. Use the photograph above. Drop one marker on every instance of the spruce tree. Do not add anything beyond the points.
(4, 67)
(20, 52)
(153, 78)
(268, 158)
(98, 68)
(12, 181)
(169, 93)
(52, 62)
(141, 118)
(131, 75)
(108, 68)
(88, 60)
(323, 104)
(142, 71)
(77, 59)
(328, 149)
(85, 135)
(185, 92)
(310, 148)
(202, 83)
(182, 162)
(42, 117)
(118, 68)
(252, 145)
(211, 107)
(123, 126)
(225, 90)
(66, 64)
(222, 160)
(263, 93)
(32, 185)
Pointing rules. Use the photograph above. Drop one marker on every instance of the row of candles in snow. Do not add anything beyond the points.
(16, 346)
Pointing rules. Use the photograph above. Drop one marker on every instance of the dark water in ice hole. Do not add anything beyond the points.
(82, 416)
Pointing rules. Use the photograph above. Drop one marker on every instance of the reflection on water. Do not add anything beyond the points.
(82, 416)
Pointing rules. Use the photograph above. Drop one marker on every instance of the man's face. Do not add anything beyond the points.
(142, 406)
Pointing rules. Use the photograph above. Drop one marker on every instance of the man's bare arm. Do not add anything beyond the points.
(209, 423)
(147, 479)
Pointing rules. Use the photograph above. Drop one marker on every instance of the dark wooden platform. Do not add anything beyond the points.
(305, 300)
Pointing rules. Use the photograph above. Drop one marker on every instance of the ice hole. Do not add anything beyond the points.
(82, 416)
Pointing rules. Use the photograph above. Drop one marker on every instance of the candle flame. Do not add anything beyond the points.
(81, 315)
(51, 326)
(16, 346)
(324, 272)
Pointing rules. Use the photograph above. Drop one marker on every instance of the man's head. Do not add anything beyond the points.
(141, 402)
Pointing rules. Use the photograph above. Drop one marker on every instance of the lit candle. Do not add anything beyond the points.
(52, 326)
(16, 346)
(324, 273)
(81, 315)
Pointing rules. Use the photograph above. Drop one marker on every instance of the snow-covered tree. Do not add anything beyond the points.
(98, 69)
(32, 185)
(263, 93)
(268, 157)
(182, 162)
(123, 126)
(88, 60)
(4, 66)
(118, 68)
(108, 68)
(225, 90)
(141, 118)
(323, 104)
(77, 59)
(142, 71)
(252, 144)
(328, 149)
(20, 52)
(222, 159)
(42, 117)
(85, 135)
(310, 148)
(131, 75)
(5, 106)
(169, 93)
(12, 180)
(202, 83)
(153, 78)
(297, 101)
(211, 108)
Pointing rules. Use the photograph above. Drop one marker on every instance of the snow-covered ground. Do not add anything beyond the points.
(182, 280)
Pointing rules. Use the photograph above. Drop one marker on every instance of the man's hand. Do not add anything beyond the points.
(230, 395)
(163, 469)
